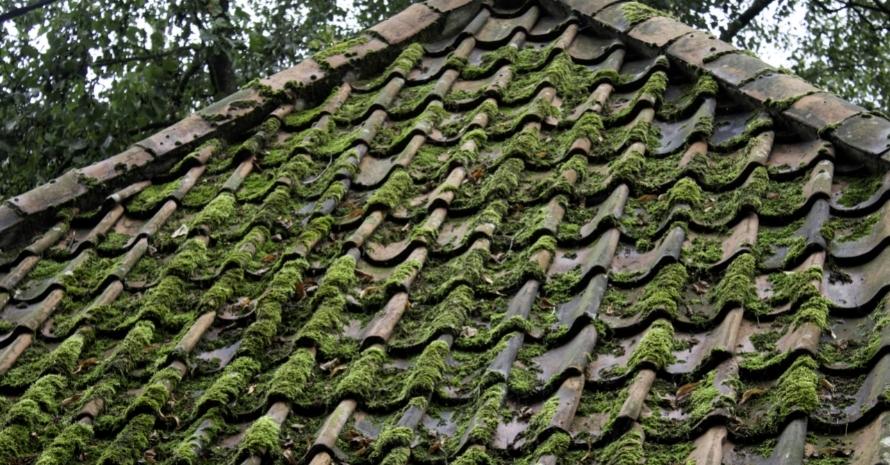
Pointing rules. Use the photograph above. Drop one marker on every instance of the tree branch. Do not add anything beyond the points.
(16, 12)
(744, 19)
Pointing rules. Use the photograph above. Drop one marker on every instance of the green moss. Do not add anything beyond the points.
(36, 407)
(228, 385)
(392, 193)
(656, 347)
(156, 393)
(341, 48)
(841, 230)
(705, 86)
(737, 286)
(628, 167)
(360, 380)
(860, 189)
(218, 212)
(475, 455)
(522, 61)
(570, 80)
(428, 370)
(202, 432)
(542, 419)
(290, 380)
(261, 439)
(685, 191)
(222, 290)
(61, 360)
(447, 316)
(663, 293)
(635, 12)
(703, 251)
(46, 268)
(487, 415)
(626, 450)
(390, 439)
(127, 354)
(795, 286)
(73, 440)
(151, 196)
(113, 241)
(561, 287)
(813, 310)
(260, 334)
(797, 390)
(589, 126)
(189, 259)
(653, 89)
(128, 446)
(556, 445)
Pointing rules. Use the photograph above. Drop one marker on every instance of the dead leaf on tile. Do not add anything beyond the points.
(749, 393)
(181, 231)
(809, 450)
(826, 384)
(686, 389)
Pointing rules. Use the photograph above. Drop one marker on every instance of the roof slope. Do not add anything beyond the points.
(471, 235)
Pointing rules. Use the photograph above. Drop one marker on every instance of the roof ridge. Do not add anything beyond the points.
(811, 111)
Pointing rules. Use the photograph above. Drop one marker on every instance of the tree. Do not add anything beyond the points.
(842, 46)
(81, 80)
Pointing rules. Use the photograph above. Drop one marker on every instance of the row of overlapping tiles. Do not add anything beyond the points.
(547, 358)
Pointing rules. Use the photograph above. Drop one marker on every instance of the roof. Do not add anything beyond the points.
(572, 232)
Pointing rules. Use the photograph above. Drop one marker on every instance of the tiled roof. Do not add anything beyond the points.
(471, 235)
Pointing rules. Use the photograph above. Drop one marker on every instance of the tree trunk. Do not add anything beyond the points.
(219, 60)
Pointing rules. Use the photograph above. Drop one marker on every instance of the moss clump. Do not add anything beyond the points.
(428, 370)
(556, 445)
(390, 439)
(626, 450)
(796, 391)
(570, 80)
(787, 238)
(151, 196)
(261, 332)
(393, 192)
(656, 347)
(703, 251)
(860, 189)
(487, 416)
(330, 296)
(222, 290)
(652, 90)
(67, 445)
(360, 380)
(341, 48)
(218, 212)
(128, 353)
(189, 259)
(128, 446)
(663, 293)
(813, 310)
(842, 230)
(291, 379)
(705, 86)
(685, 191)
(561, 287)
(61, 360)
(475, 455)
(36, 407)
(589, 126)
(261, 438)
(204, 430)
(737, 287)
(635, 12)
(156, 393)
(227, 386)
(447, 316)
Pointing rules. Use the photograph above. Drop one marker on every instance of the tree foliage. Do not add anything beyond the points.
(81, 80)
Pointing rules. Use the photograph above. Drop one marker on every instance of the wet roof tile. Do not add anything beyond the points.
(529, 242)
